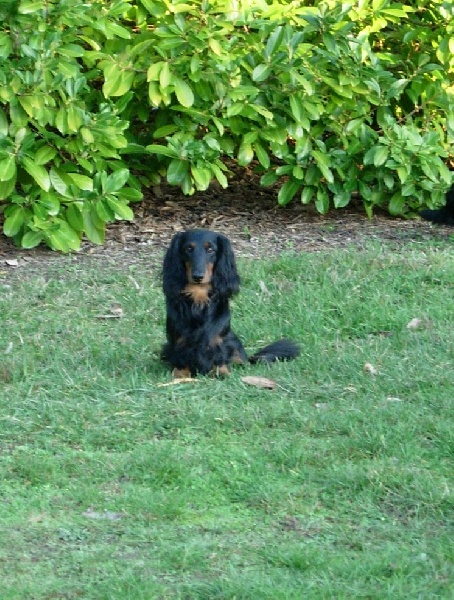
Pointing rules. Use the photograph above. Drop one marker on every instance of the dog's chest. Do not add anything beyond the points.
(198, 294)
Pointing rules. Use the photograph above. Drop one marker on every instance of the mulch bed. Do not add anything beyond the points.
(247, 213)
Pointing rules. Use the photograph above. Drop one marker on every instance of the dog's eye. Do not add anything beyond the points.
(189, 249)
(210, 250)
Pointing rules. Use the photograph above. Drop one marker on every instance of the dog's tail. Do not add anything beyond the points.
(281, 350)
(445, 214)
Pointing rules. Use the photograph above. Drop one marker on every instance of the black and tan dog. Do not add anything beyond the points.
(199, 278)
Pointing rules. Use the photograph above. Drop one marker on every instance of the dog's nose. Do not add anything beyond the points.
(197, 278)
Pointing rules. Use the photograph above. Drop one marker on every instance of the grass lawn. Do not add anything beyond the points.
(337, 484)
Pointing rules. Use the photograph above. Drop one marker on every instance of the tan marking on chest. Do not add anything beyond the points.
(199, 293)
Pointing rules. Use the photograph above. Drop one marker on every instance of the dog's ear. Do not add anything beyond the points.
(226, 280)
(173, 269)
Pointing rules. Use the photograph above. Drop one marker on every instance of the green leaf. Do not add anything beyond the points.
(354, 125)
(130, 194)
(261, 110)
(74, 217)
(73, 118)
(57, 179)
(269, 178)
(165, 76)
(8, 168)
(313, 109)
(220, 176)
(125, 83)
(322, 201)
(64, 238)
(45, 154)
(365, 191)
(381, 155)
(307, 194)
(261, 72)
(103, 210)
(181, 7)
(323, 163)
(87, 135)
(154, 71)
(140, 48)
(71, 50)
(298, 172)
(274, 41)
(61, 121)
(27, 7)
(307, 85)
(38, 173)
(17, 115)
(112, 76)
(245, 154)
(154, 94)
(121, 210)
(262, 155)
(369, 156)
(31, 239)
(183, 92)
(396, 88)
(177, 171)
(202, 176)
(93, 230)
(3, 123)
(68, 70)
(28, 103)
(186, 185)
(215, 46)
(396, 204)
(219, 125)
(118, 30)
(162, 150)
(117, 80)
(403, 174)
(342, 199)
(296, 107)
(235, 109)
(250, 137)
(165, 130)
(288, 191)
(14, 221)
(116, 181)
(6, 188)
(50, 202)
(82, 181)
(445, 173)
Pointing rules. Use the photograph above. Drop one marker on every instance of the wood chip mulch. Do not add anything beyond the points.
(248, 214)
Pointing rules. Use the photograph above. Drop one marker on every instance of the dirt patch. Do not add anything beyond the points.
(247, 213)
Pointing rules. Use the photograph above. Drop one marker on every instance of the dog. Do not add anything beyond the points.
(199, 277)
(443, 215)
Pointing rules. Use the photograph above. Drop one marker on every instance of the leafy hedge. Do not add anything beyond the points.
(330, 99)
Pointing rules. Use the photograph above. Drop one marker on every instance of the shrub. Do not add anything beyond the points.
(329, 99)
(61, 168)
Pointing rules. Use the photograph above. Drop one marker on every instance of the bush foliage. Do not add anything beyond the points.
(329, 99)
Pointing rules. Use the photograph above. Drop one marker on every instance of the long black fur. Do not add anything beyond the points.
(199, 278)
(443, 215)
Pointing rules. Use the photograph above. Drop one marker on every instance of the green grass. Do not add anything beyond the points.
(338, 484)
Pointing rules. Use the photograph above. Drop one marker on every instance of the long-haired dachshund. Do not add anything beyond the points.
(199, 278)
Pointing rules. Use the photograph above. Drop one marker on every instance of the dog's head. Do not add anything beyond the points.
(199, 257)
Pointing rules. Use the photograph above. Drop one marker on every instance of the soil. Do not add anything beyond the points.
(246, 212)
